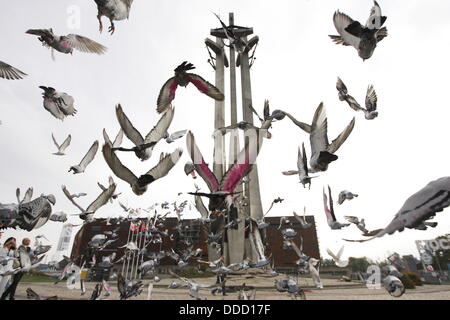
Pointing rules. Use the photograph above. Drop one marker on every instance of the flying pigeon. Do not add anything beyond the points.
(329, 211)
(337, 258)
(63, 146)
(182, 78)
(113, 197)
(144, 147)
(101, 200)
(363, 38)
(66, 44)
(10, 73)
(302, 168)
(87, 159)
(418, 208)
(359, 223)
(114, 10)
(221, 192)
(175, 136)
(322, 152)
(370, 112)
(346, 195)
(59, 104)
(58, 217)
(128, 288)
(140, 184)
(302, 220)
(244, 125)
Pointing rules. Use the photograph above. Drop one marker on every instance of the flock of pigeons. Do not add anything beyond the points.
(224, 201)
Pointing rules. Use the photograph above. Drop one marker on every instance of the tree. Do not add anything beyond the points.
(358, 264)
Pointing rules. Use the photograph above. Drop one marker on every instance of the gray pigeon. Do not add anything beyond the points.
(370, 112)
(10, 73)
(302, 168)
(346, 195)
(114, 10)
(329, 211)
(363, 38)
(59, 104)
(87, 159)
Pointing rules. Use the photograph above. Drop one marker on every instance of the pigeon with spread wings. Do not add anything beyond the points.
(183, 78)
(370, 112)
(63, 146)
(329, 211)
(144, 147)
(221, 194)
(101, 200)
(417, 209)
(66, 44)
(322, 152)
(10, 73)
(87, 159)
(140, 184)
(26, 198)
(363, 38)
(117, 141)
(114, 10)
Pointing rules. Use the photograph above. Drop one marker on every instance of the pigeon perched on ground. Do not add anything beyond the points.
(363, 38)
(302, 168)
(346, 195)
(59, 104)
(9, 72)
(144, 147)
(418, 208)
(182, 78)
(66, 44)
(370, 112)
(87, 159)
(63, 146)
(140, 184)
(114, 10)
(329, 211)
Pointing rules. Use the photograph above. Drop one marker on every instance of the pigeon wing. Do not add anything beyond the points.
(205, 87)
(53, 108)
(160, 130)
(337, 143)
(199, 163)
(200, 206)
(84, 44)
(290, 173)
(319, 128)
(90, 155)
(371, 99)
(68, 195)
(67, 106)
(65, 144)
(10, 73)
(102, 199)
(305, 127)
(342, 21)
(166, 95)
(116, 166)
(129, 130)
(165, 164)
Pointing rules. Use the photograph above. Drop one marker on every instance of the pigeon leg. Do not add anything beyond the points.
(99, 17)
(112, 28)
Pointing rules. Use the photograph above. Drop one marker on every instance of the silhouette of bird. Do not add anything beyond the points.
(370, 112)
(63, 146)
(182, 78)
(302, 168)
(87, 159)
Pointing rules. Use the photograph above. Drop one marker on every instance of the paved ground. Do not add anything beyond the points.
(333, 290)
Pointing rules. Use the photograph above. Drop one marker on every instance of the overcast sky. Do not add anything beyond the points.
(385, 160)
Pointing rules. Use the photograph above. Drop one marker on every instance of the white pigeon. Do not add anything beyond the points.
(337, 258)
(90, 155)
(63, 146)
(175, 136)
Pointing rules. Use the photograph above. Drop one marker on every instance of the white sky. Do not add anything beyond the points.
(385, 160)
